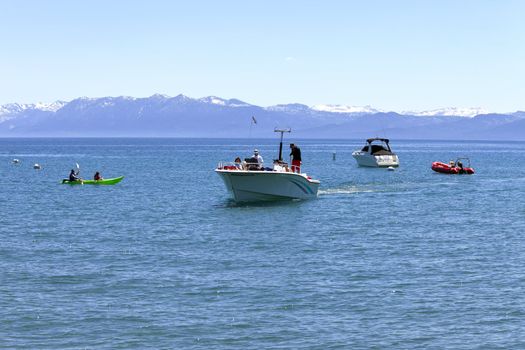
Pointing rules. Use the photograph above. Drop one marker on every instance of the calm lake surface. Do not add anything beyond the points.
(387, 260)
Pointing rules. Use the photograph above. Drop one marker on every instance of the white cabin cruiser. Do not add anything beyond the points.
(376, 153)
(248, 182)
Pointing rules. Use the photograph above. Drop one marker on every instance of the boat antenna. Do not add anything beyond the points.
(282, 131)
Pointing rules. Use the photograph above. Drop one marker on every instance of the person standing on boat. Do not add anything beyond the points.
(257, 156)
(296, 158)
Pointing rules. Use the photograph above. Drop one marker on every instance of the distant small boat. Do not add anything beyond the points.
(16, 161)
(376, 153)
(453, 168)
(112, 181)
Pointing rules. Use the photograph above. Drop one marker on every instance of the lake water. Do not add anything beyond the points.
(386, 260)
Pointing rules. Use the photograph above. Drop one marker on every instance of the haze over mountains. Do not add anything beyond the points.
(182, 116)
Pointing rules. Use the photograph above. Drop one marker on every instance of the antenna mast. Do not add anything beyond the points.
(282, 131)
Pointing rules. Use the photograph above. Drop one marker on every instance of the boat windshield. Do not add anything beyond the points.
(379, 149)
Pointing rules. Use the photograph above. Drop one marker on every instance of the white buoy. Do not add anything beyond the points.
(16, 161)
(391, 168)
(37, 166)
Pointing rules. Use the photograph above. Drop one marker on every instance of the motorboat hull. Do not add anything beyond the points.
(251, 186)
(376, 161)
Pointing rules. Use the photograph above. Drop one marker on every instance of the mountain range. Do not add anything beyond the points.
(182, 116)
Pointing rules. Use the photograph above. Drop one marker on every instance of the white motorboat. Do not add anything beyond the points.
(376, 153)
(247, 182)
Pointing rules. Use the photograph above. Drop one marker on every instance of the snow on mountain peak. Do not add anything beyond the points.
(291, 108)
(213, 100)
(12, 108)
(222, 102)
(345, 109)
(449, 112)
(161, 96)
(50, 107)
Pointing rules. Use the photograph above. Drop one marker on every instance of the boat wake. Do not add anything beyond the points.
(347, 190)
(373, 188)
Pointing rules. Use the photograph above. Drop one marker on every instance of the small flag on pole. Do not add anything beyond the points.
(254, 120)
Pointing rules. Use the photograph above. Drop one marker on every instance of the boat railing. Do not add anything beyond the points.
(279, 166)
(244, 165)
(230, 166)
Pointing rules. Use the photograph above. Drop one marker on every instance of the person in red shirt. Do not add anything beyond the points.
(296, 158)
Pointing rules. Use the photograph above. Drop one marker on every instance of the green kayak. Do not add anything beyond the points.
(113, 181)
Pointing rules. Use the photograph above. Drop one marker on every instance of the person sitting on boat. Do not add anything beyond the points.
(74, 176)
(238, 163)
(460, 166)
(258, 157)
(452, 164)
(296, 158)
(97, 176)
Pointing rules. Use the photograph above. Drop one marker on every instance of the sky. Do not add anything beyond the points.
(393, 55)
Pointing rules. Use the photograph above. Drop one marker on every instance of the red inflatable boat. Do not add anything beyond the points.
(453, 168)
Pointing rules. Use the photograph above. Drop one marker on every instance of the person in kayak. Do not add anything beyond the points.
(97, 176)
(296, 158)
(74, 176)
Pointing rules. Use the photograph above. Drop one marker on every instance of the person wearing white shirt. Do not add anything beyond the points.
(257, 156)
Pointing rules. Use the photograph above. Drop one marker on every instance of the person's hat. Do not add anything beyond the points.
(256, 151)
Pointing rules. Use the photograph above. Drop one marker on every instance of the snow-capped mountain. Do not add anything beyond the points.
(346, 109)
(17, 107)
(289, 108)
(11, 110)
(222, 102)
(49, 107)
(450, 111)
(212, 116)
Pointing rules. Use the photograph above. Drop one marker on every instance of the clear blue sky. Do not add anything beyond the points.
(394, 55)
